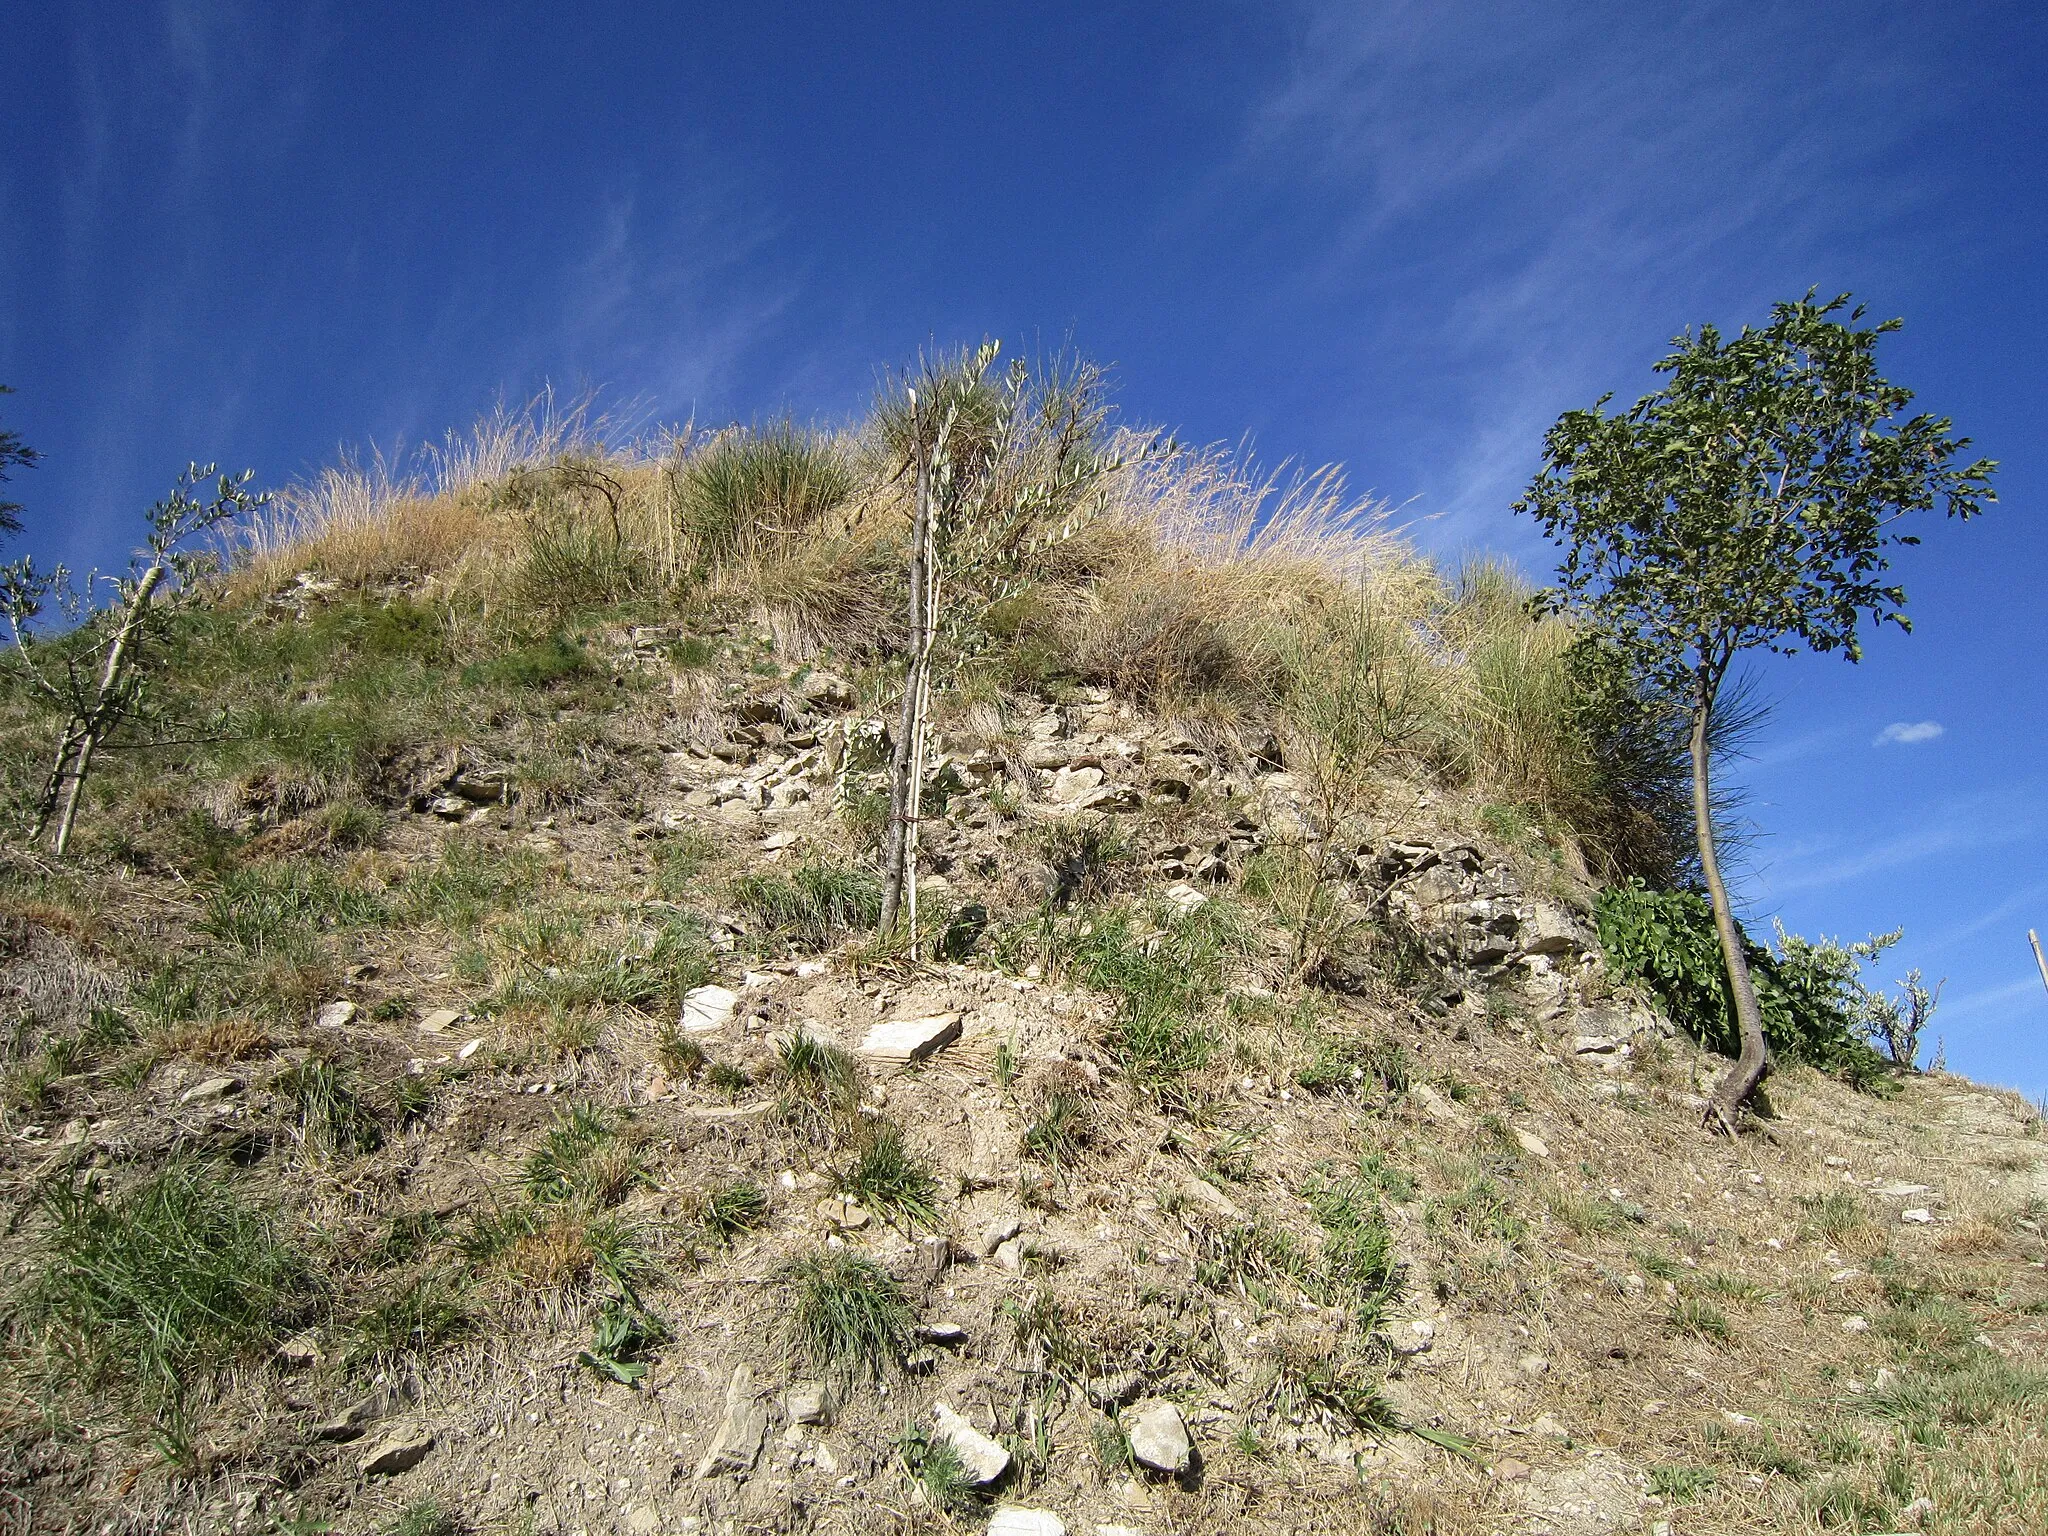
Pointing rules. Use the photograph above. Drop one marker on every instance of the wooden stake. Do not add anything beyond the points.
(2034, 939)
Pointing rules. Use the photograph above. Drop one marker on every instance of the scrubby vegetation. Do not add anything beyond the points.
(470, 1006)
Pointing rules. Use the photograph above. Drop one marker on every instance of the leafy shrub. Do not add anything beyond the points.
(1665, 942)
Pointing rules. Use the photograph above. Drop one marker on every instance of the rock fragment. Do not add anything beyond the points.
(1159, 1437)
(982, 1460)
(398, 1451)
(737, 1442)
(809, 1402)
(211, 1091)
(1015, 1520)
(902, 1041)
(708, 1009)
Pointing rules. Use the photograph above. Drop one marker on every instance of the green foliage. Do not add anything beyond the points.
(264, 908)
(758, 486)
(1357, 1265)
(332, 1118)
(583, 1157)
(1984, 1389)
(678, 861)
(1753, 500)
(847, 1317)
(813, 906)
(1665, 942)
(618, 1339)
(733, 1208)
(1681, 1484)
(536, 666)
(888, 1178)
(1166, 979)
(1701, 1319)
(14, 454)
(936, 1468)
(425, 1517)
(152, 1288)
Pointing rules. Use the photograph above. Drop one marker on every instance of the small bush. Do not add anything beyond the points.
(1666, 942)
(847, 1316)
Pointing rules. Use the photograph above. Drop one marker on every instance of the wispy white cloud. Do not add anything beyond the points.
(2006, 820)
(1903, 733)
(1582, 186)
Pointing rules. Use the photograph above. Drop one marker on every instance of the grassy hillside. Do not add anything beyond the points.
(442, 1087)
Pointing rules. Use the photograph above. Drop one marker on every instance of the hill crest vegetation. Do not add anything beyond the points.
(459, 1076)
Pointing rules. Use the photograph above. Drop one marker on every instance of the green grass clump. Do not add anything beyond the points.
(847, 1316)
(1986, 1389)
(583, 1157)
(1701, 1319)
(535, 666)
(1357, 1266)
(887, 1177)
(1059, 1130)
(731, 1209)
(1834, 1215)
(937, 1470)
(814, 905)
(425, 1517)
(268, 908)
(758, 486)
(1167, 980)
(1681, 1484)
(151, 1289)
(329, 1116)
(679, 860)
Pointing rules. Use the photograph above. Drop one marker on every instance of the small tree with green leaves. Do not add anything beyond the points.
(94, 671)
(1752, 503)
(1001, 468)
(14, 454)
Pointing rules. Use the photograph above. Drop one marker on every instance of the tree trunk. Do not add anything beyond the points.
(98, 720)
(1742, 1078)
(903, 752)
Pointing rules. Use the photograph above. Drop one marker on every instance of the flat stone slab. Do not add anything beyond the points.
(397, 1452)
(982, 1460)
(336, 1014)
(737, 1443)
(708, 1009)
(212, 1091)
(902, 1041)
(437, 1022)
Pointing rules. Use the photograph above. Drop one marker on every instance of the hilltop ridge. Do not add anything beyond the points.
(456, 1082)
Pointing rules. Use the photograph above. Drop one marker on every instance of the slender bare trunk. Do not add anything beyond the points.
(1742, 1078)
(99, 718)
(904, 750)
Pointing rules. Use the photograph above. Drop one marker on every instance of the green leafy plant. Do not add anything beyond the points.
(1752, 503)
(1666, 942)
(621, 1334)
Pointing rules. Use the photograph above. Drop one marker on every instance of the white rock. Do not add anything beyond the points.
(901, 1041)
(1070, 786)
(1159, 1436)
(1015, 1520)
(981, 1459)
(707, 1009)
(1531, 1143)
(210, 1091)
(1919, 1216)
(1185, 896)
(437, 1021)
(1901, 1191)
(1414, 1338)
(470, 1049)
(1855, 1325)
(336, 1014)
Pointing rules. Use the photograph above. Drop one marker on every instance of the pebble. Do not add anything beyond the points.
(1159, 1436)
(1015, 1520)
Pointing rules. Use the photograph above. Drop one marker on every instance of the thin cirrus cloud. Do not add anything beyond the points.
(1908, 733)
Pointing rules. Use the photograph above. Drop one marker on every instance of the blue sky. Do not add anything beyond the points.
(1403, 236)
